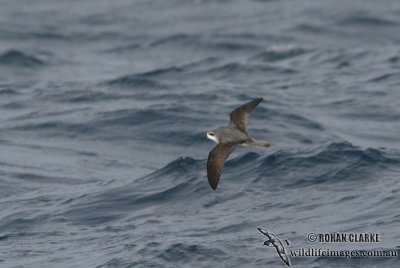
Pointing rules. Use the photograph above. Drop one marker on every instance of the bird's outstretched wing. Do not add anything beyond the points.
(264, 232)
(216, 161)
(284, 258)
(239, 117)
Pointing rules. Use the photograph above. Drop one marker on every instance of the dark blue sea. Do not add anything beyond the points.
(103, 110)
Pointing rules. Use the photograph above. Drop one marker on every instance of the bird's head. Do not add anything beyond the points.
(212, 135)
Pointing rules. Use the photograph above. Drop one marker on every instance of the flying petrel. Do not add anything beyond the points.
(228, 138)
(274, 241)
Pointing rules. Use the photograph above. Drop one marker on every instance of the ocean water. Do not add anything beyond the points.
(103, 109)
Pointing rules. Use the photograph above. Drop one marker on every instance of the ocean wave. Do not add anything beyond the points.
(395, 77)
(186, 253)
(366, 21)
(330, 164)
(17, 33)
(174, 183)
(56, 128)
(184, 179)
(151, 79)
(20, 59)
(221, 42)
(130, 117)
(183, 39)
(157, 78)
(311, 28)
(124, 48)
(232, 70)
(85, 96)
(7, 90)
(138, 81)
(161, 72)
(278, 53)
(232, 45)
(77, 93)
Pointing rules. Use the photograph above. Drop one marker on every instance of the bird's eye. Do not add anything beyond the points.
(212, 134)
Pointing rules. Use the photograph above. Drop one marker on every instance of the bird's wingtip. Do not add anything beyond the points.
(262, 230)
(213, 186)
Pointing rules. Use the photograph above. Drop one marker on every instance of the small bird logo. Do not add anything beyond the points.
(274, 241)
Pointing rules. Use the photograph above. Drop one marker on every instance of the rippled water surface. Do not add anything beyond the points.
(103, 109)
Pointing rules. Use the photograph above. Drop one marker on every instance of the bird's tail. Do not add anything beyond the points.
(254, 143)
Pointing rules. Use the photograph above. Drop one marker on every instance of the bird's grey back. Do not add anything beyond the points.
(231, 135)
